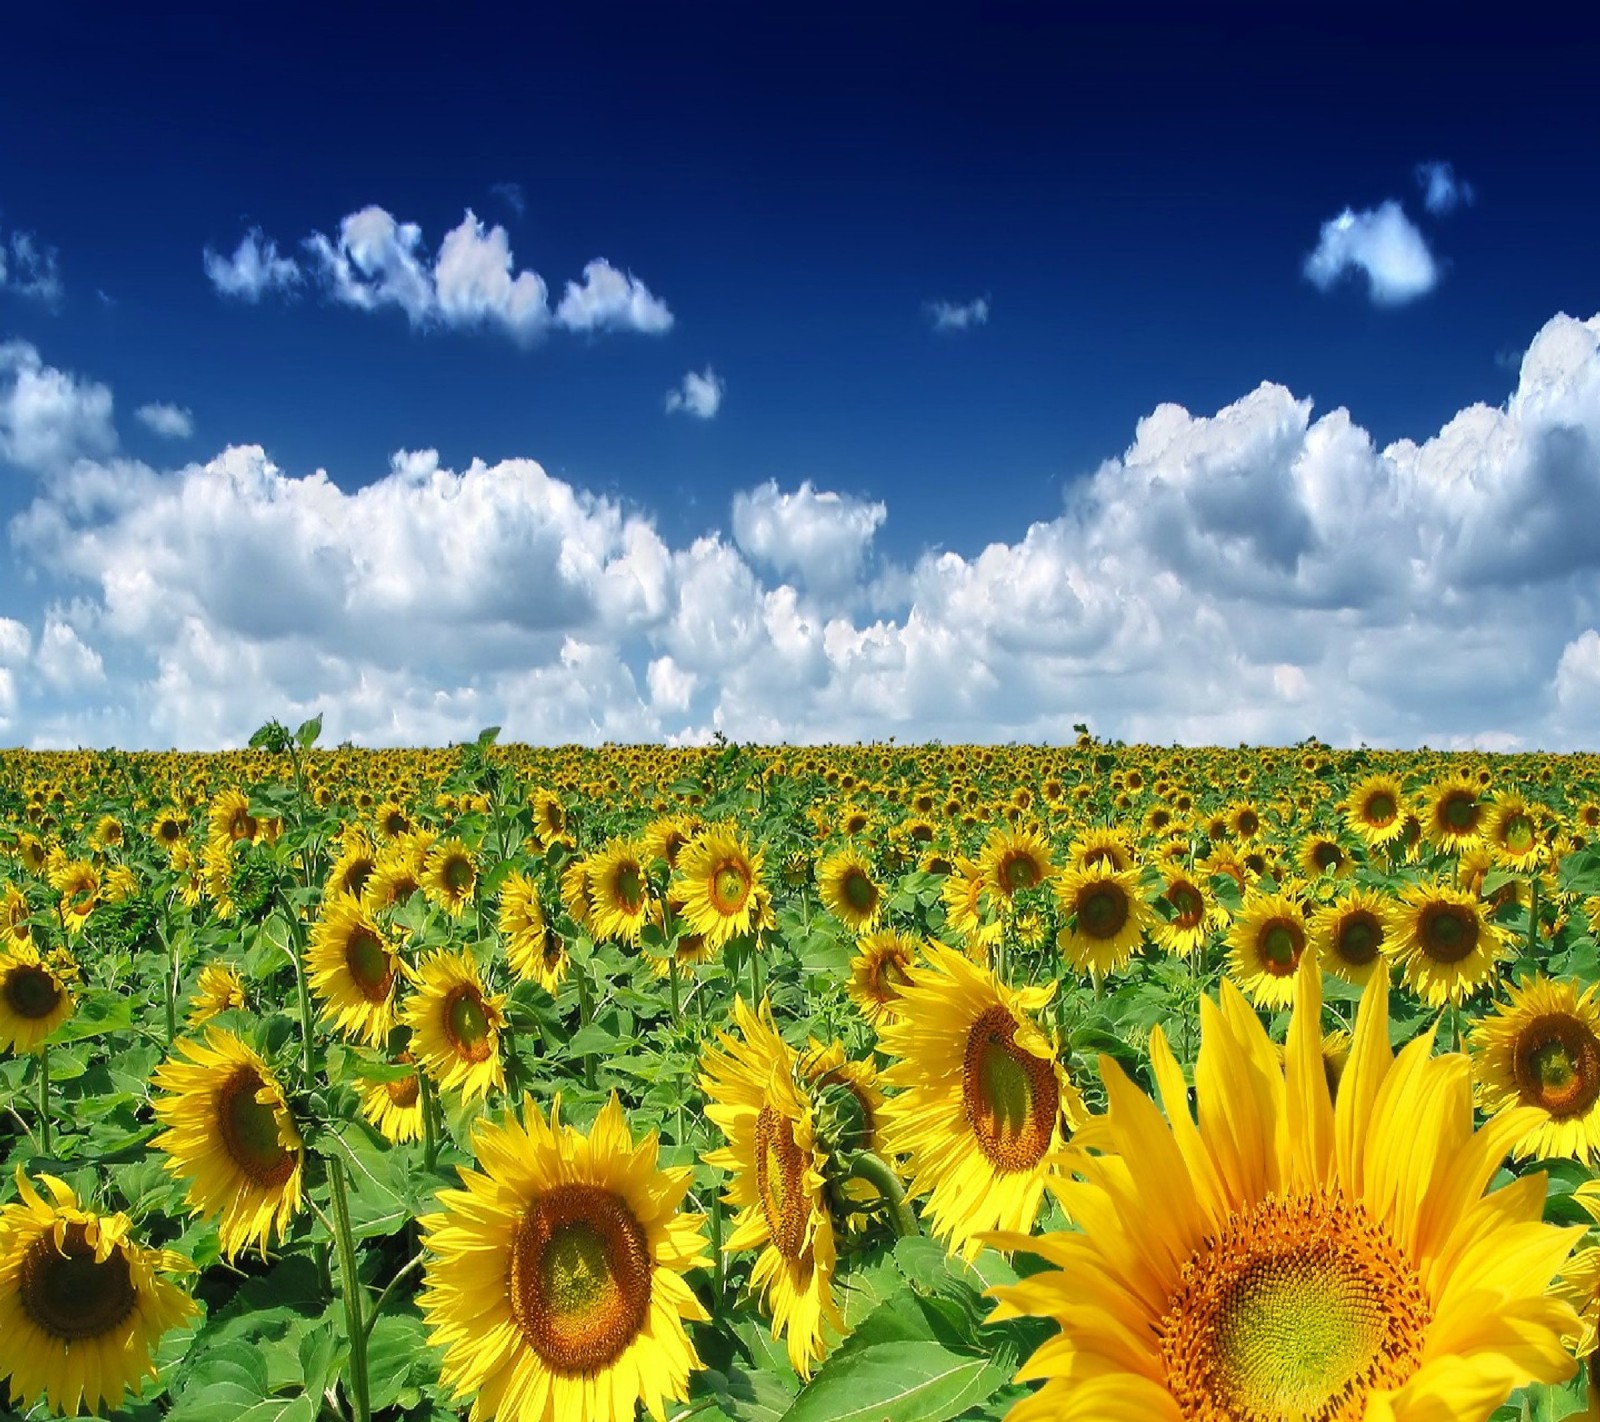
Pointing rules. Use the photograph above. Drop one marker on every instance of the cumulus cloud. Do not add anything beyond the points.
(29, 268)
(609, 300)
(168, 421)
(700, 394)
(1384, 246)
(1262, 572)
(255, 269)
(49, 417)
(1442, 191)
(950, 316)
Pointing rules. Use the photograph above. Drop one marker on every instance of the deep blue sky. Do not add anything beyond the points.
(1134, 199)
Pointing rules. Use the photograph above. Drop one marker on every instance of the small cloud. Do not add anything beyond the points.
(169, 421)
(254, 269)
(1510, 358)
(947, 316)
(511, 195)
(1442, 191)
(31, 269)
(1381, 243)
(699, 395)
(611, 300)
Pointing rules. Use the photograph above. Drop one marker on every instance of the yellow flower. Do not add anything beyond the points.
(353, 970)
(395, 1107)
(34, 997)
(1375, 810)
(1194, 915)
(878, 972)
(82, 1303)
(1106, 918)
(455, 1027)
(1266, 944)
(844, 883)
(78, 883)
(450, 876)
(1455, 815)
(718, 882)
(1014, 860)
(219, 989)
(229, 1132)
(1446, 948)
(1291, 1255)
(619, 887)
(1350, 933)
(554, 1280)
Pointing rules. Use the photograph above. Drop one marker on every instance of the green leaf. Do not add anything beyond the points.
(306, 736)
(897, 1382)
(97, 1013)
(229, 1384)
(398, 1357)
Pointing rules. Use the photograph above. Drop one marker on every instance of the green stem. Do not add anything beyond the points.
(430, 1121)
(717, 1265)
(172, 991)
(406, 1271)
(585, 1015)
(864, 1165)
(44, 1100)
(360, 1395)
(307, 1034)
(1533, 919)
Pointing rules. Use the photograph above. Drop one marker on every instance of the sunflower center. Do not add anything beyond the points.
(1380, 809)
(249, 1130)
(780, 1179)
(466, 1024)
(70, 1295)
(1459, 811)
(1010, 1096)
(1248, 822)
(31, 991)
(730, 887)
(457, 874)
(1191, 908)
(1295, 1311)
(369, 964)
(1358, 938)
(859, 891)
(1102, 911)
(1018, 871)
(1327, 855)
(403, 1091)
(630, 887)
(1517, 834)
(1448, 932)
(356, 876)
(579, 1278)
(1558, 1065)
(1281, 942)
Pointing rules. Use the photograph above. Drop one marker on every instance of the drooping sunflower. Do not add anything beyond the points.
(878, 972)
(550, 819)
(82, 1303)
(964, 909)
(619, 886)
(395, 1106)
(1375, 810)
(35, 996)
(1106, 918)
(78, 883)
(778, 1182)
(1265, 945)
(1455, 814)
(554, 1280)
(1097, 847)
(984, 1105)
(847, 890)
(353, 969)
(1195, 914)
(666, 836)
(450, 876)
(1446, 947)
(219, 989)
(1541, 1049)
(576, 895)
(717, 883)
(1013, 860)
(522, 926)
(229, 1132)
(455, 1026)
(1352, 932)
(15, 910)
(1294, 1256)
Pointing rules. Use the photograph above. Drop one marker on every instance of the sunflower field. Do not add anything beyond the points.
(831, 1084)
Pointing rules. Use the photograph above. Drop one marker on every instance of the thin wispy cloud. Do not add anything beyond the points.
(1381, 244)
(950, 316)
(1442, 191)
(29, 268)
(255, 269)
(511, 195)
(168, 421)
(700, 394)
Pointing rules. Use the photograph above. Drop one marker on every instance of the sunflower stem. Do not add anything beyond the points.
(430, 1121)
(868, 1166)
(294, 948)
(359, 1393)
(406, 1271)
(585, 1016)
(44, 1099)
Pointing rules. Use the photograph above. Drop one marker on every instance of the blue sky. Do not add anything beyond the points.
(789, 202)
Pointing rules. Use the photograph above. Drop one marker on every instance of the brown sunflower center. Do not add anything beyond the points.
(1325, 854)
(1189, 906)
(368, 962)
(1447, 933)
(457, 874)
(249, 1130)
(630, 887)
(1018, 870)
(856, 823)
(730, 887)
(1459, 811)
(1296, 1311)
(780, 1180)
(579, 1278)
(1011, 1097)
(1558, 1065)
(70, 1295)
(1357, 937)
(1102, 911)
(859, 890)
(31, 991)
(356, 875)
(1247, 823)
(168, 831)
(1280, 941)
(466, 1024)
(1380, 809)
(404, 1090)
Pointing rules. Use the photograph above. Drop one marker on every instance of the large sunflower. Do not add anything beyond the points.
(844, 882)
(82, 1303)
(984, 1106)
(1446, 946)
(778, 1183)
(230, 1133)
(1455, 815)
(35, 998)
(554, 1280)
(1265, 945)
(450, 876)
(1106, 918)
(455, 1026)
(716, 883)
(1542, 1050)
(1292, 1256)
(353, 970)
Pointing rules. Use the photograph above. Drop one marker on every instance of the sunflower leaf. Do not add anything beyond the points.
(914, 1381)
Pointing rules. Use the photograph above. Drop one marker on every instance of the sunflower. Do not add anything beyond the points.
(963, 908)
(1106, 918)
(778, 1183)
(353, 868)
(718, 884)
(1455, 814)
(78, 883)
(1541, 1049)
(35, 997)
(230, 818)
(455, 1028)
(550, 819)
(576, 894)
(666, 836)
(1351, 932)
(396, 876)
(353, 969)
(15, 911)
(230, 1133)
(847, 1096)
(984, 1106)
(450, 876)
(1293, 1256)
(1323, 854)
(1243, 820)
(522, 925)
(1195, 913)
(395, 1106)
(1375, 810)
(1513, 833)
(878, 972)
(1013, 860)
(844, 882)
(1266, 944)
(554, 1280)
(82, 1303)
(620, 887)
(220, 989)
(1096, 847)
(1446, 947)
(392, 819)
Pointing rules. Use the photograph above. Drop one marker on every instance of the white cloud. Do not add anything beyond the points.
(699, 395)
(1262, 572)
(169, 421)
(1442, 191)
(1383, 245)
(48, 417)
(609, 300)
(947, 316)
(32, 268)
(254, 270)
